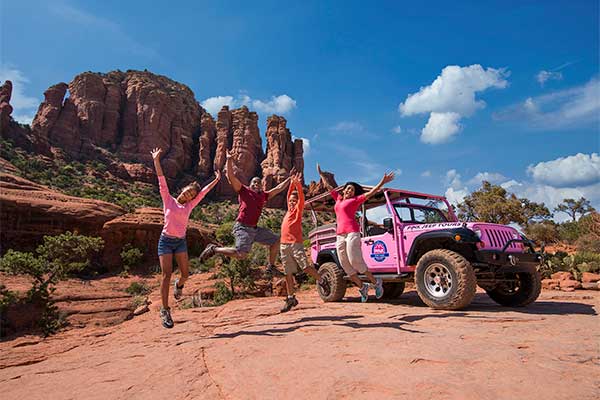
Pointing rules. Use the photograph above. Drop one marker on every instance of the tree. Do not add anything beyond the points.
(572, 207)
(492, 203)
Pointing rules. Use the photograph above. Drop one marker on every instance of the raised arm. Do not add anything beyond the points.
(205, 190)
(156, 158)
(297, 183)
(277, 189)
(233, 180)
(386, 178)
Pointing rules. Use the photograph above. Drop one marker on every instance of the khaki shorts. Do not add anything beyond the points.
(349, 253)
(292, 257)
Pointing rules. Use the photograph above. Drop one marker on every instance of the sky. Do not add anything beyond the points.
(445, 94)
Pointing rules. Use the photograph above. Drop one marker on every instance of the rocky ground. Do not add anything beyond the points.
(247, 350)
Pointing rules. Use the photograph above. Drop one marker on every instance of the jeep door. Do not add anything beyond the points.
(378, 245)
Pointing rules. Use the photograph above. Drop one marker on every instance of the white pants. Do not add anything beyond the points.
(349, 253)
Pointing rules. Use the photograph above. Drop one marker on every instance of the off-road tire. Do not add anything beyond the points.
(337, 285)
(528, 290)
(464, 282)
(392, 290)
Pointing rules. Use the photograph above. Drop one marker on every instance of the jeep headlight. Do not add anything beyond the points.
(478, 233)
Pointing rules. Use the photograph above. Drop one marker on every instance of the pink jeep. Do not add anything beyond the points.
(416, 236)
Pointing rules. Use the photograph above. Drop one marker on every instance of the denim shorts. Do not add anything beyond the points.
(171, 245)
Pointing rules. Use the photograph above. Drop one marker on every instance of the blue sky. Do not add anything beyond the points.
(446, 93)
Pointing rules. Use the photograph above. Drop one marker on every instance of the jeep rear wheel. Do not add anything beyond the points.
(445, 280)
(520, 289)
(334, 285)
(392, 290)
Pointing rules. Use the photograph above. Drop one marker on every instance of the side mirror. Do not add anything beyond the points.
(388, 224)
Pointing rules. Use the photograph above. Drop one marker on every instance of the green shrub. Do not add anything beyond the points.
(238, 273)
(542, 232)
(568, 231)
(138, 288)
(588, 243)
(224, 234)
(222, 294)
(57, 258)
(196, 266)
(130, 257)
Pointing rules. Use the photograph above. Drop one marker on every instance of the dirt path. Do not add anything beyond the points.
(246, 350)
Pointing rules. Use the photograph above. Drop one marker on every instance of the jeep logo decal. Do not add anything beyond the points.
(433, 226)
(379, 251)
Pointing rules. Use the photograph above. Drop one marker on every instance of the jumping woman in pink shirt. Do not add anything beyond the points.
(347, 244)
(172, 242)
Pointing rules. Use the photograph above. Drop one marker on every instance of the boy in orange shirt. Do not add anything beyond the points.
(292, 247)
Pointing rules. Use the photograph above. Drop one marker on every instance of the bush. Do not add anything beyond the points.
(588, 243)
(224, 234)
(138, 289)
(222, 294)
(130, 257)
(196, 266)
(238, 273)
(542, 232)
(568, 231)
(58, 257)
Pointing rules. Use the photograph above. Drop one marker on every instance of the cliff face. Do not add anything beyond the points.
(118, 117)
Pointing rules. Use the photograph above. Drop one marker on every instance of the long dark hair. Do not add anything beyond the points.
(358, 190)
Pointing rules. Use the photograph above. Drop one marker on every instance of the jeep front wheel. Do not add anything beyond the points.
(518, 290)
(334, 285)
(445, 280)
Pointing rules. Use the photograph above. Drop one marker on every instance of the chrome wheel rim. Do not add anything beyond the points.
(438, 280)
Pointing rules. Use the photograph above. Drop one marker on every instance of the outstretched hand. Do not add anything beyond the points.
(229, 154)
(218, 175)
(319, 170)
(156, 153)
(387, 177)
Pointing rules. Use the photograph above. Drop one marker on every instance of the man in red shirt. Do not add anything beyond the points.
(252, 200)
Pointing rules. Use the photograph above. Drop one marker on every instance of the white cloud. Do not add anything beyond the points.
(492, 177)
(451, 96)
(543, 76)
(214, 104)
(557, 110)
(397, 129)
(348, 126)
(440, 128)
(305, 144)
(426, 174)
(281, 104)
(23, 118)
(456, 196)
(456, 191)
(19, 100)
(578, 170)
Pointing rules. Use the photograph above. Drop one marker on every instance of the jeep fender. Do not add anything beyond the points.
(468, 238)
(328, 255)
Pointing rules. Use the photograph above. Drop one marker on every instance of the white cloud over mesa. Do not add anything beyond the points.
(451, 97)
(557, 110)
(24, 106)
(281, 104)
(552, 181)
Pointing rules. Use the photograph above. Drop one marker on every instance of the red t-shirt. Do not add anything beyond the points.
(251, 205)
(345, 212)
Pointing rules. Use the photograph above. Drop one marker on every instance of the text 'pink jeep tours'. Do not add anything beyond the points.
(416, 236)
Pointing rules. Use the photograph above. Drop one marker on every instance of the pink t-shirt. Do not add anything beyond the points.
(345, 212)
(176, 215)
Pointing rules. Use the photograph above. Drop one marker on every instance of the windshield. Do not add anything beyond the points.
(419, 214)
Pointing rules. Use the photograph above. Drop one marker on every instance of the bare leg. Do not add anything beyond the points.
(312, 272)
(273, 250)
(371, 277)
(289, 282)
(166, 266)
(354, 278)
(184, 267)
(231, 252)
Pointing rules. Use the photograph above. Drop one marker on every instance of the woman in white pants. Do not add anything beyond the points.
(348, 244)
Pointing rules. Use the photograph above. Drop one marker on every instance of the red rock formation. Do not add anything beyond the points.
(315, 188)
(29, 211)
(207, 146)
(5, 107)
(128, 113)
(282, 156)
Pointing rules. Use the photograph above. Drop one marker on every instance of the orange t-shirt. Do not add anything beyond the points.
(291, 227)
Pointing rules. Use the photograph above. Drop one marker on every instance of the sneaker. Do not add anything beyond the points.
(364, 292)
(208, 252)
(273, 271)
(379, 288)
(165, 316)
(177, 290)
(289, 303)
